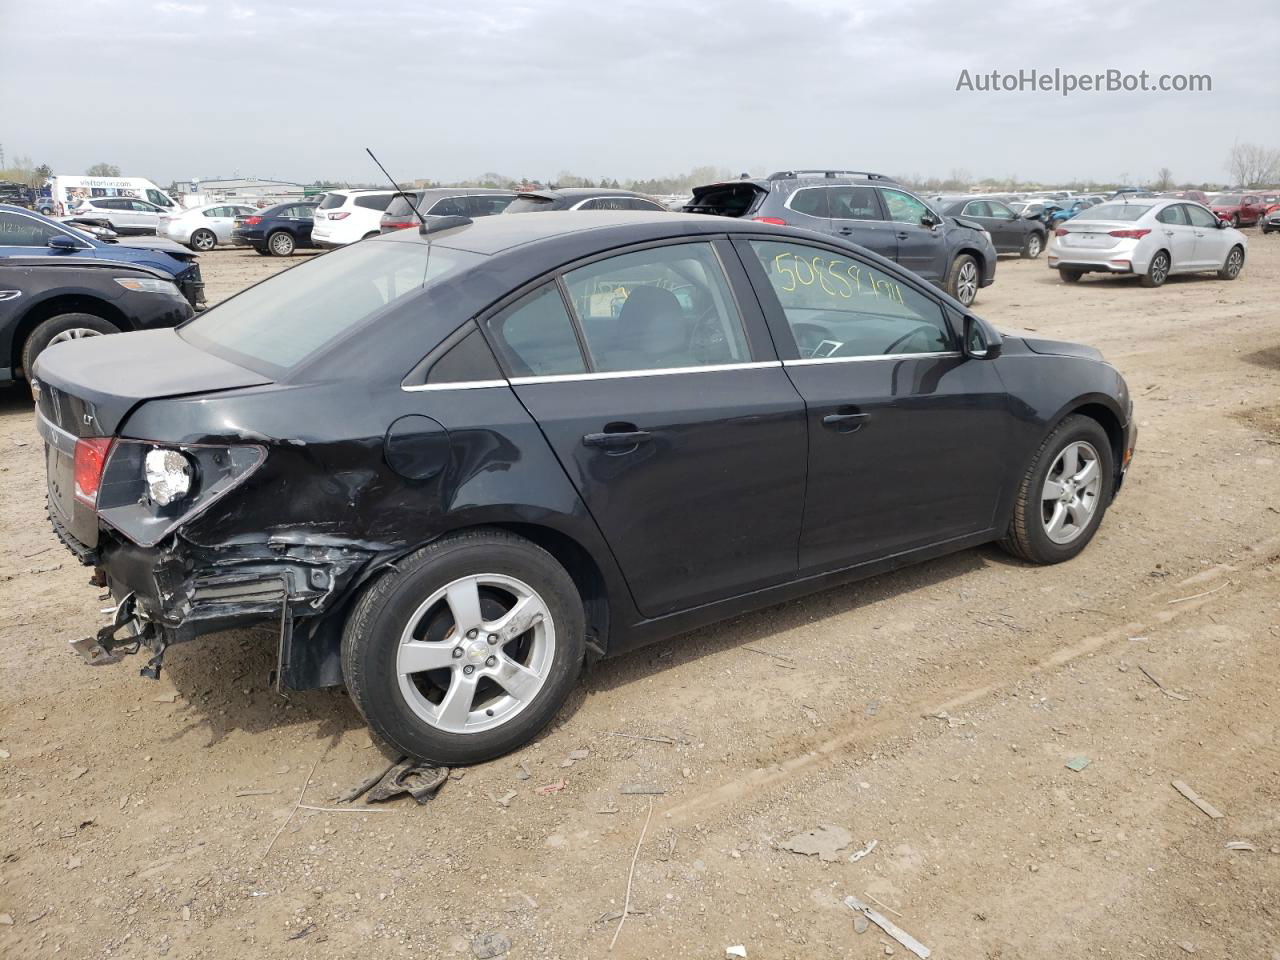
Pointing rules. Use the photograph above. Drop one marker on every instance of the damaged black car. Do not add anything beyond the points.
(450, 465)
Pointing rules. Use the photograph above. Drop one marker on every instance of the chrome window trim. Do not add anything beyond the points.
(873, 356)
(656, 372)
(458, 385)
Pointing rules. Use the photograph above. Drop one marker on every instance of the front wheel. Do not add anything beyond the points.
(1157, 271)
(1031, 249)
(60, 329)
(465, 649)
(1233, 265)
(1064, 493)
(281, 244)
(962, 279)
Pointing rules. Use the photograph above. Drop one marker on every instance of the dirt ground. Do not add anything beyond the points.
(934, 710)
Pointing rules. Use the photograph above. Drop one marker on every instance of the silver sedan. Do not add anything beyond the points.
(1152, 238)
(203, 228)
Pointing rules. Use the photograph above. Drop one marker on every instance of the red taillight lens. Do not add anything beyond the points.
(774, 220)
(339, 216)
(1061, 232)
(401, 224)
(252, 221)
(91, 459)
(1129, 234)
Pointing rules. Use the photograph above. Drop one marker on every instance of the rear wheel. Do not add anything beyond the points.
(466, 649)
(1031, 249)
(1064, 493)
(203, 240)
(962, 279)
(60, 329)
(1069, 276)
(1157, 271)
(281, 244)
(1233, 265)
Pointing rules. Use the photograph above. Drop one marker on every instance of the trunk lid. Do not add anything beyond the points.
(86, 388)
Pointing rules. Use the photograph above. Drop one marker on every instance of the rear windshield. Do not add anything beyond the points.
(529, 204)
(1228, 201)
(400, 205)
(332, 200)
(1119, 211)
(274, 325)
(725, 200)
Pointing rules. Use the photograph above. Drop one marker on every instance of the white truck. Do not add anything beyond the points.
(66, 191)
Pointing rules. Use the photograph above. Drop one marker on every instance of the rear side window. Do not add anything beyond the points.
(839, 307)
(536, 337)
(487, 204)
(854, 203)
(375, 201)
(663, 307)
(977, 208)
(1172, 214)
(467, 361)
(530, 204)
(449, 207)
(332, 200)
(400, 206)
(811, 201)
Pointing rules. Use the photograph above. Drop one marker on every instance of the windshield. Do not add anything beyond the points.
(1228, 201)
(1119, 211)
(273, 326)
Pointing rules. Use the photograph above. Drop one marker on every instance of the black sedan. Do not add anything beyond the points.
(1010, 233)
(448, 467)
(276, 231)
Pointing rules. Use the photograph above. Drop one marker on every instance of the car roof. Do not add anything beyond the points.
(580, 193)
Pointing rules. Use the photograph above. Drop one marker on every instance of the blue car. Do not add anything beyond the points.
(59, 283)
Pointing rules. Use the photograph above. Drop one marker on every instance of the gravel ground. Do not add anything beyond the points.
(934, 710)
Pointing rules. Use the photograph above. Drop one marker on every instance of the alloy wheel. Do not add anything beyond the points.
(1235, 261)
(75, 333)
(203, 240)
(282, 244)
(476, 653)
(967, 283)
(1069, 498)
(1160, 268)
(1033, 246)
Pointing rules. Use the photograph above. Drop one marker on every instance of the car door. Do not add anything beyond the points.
(657, 388)
(857, 215)
(908, 439)
(921, 249)
(146, 216)
(1179, 237)
(979, 211)
(301, 218)
(1212, 242)
(1008, 231)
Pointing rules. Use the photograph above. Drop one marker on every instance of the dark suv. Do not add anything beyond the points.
(444, 202)
(869, 209)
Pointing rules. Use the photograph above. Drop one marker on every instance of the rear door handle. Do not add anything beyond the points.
(845, 422)
(845, 231)
(903, 235)
(614, 439)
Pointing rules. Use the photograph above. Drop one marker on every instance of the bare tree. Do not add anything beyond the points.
(1164, 179)
(103, 170)
(1251, 165)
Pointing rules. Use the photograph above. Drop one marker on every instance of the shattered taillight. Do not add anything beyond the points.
(90, 460)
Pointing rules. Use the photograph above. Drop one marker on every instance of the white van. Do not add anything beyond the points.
(67, 191)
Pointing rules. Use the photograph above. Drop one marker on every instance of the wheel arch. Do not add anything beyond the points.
(979, 258)
(44, 310)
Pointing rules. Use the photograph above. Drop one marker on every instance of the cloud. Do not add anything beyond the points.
(171, 6)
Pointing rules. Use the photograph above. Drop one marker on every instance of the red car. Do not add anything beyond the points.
(1240, 210)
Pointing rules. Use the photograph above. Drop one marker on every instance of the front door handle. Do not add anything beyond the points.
(616, 439)
(903, 235)
(846, 421)
(845, 231)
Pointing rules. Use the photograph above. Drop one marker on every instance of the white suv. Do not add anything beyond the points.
(345, 216)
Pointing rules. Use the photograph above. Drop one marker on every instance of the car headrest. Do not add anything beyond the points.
(651, 321)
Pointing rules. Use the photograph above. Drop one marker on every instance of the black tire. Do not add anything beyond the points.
(1034, 245)
(203, 240)
(963, 279)
(1157, 270)
(281, 244)
(43, 335)
(1234, 263)
(262, 251)
(372, 634)
(1069, 276)
(1027, 538)
(1235, 220)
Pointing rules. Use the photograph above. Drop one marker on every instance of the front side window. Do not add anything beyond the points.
(837, 306)
(1199, 216)
(535, 335)
(19, 231)
(158, 198)
(903, 207)
(668, 306)
(273, 326)
(977, 208)
(998, 209)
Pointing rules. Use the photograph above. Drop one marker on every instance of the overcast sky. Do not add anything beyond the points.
(181, 88)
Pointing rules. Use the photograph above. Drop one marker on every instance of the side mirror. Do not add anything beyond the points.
(62, 243)
(981, 342)
(1223, 224)
(930, 219)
